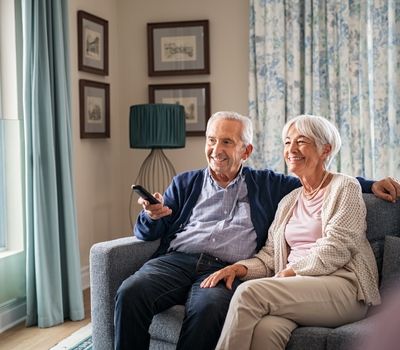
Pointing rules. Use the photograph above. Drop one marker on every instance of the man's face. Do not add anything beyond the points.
(225, 149)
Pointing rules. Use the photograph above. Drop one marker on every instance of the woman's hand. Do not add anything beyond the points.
(227, 274)
(288, 272)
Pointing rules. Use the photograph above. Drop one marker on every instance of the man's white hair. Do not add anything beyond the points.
(247, 132)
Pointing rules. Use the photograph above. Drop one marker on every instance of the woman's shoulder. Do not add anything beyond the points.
(291, 197)
(342, 184)
(340, 179)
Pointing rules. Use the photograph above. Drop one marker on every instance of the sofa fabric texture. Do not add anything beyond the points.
(113, 261)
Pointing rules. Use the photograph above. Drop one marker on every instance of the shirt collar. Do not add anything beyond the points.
(238, 177)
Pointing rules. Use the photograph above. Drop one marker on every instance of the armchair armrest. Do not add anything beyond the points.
(111, 263)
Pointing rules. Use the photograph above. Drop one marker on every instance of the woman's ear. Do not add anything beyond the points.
(326, 150)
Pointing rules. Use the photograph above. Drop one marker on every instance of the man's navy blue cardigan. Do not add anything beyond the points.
(265, 190)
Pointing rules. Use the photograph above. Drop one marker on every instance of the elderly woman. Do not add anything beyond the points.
(317, 267)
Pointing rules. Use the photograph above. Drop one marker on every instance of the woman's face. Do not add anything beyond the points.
(302, 155)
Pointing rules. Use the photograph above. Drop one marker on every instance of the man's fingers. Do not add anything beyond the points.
(229, 282)
(396, 184)
(392, 190)
(158, 214)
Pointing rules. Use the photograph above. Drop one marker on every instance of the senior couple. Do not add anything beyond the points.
(316, 268)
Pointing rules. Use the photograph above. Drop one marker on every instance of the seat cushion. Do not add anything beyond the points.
(310, 338)
(166, 325)
(349, 336)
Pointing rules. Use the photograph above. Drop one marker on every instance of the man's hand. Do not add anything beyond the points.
(387, 189)
(155, 211)
(227, 274)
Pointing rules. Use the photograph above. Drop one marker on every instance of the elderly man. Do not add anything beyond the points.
(207, 219)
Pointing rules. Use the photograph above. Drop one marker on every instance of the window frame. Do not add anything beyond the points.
(11, 130)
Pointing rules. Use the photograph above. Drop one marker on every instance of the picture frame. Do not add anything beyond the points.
(178, 48)
(195, 97)
(94, 109)
(92, 44)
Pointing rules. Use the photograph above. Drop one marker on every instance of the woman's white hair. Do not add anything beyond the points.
(318, 129)
(247, 132)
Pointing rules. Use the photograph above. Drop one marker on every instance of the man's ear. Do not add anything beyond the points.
(247, 152)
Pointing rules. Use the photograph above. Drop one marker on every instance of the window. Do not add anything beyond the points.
(12, 255)
(11, 214)
(2, 186)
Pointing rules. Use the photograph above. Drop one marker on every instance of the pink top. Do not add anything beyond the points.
(304, 227)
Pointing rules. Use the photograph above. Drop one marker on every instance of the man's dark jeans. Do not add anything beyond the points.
(168, 280)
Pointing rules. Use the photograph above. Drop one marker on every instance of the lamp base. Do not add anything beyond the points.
(156, 172)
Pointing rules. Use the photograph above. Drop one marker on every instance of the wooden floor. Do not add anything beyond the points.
(34, 338)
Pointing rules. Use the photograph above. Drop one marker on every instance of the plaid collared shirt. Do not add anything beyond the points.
(220, 224)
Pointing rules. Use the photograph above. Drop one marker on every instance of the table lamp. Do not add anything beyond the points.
(156, 126)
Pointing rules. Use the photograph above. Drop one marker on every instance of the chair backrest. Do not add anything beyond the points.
(383, 219)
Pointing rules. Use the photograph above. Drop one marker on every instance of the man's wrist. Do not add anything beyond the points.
(240, 270)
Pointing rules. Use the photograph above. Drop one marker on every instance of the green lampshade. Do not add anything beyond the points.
(157, 126)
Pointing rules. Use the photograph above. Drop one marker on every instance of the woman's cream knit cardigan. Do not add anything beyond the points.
(343, 242)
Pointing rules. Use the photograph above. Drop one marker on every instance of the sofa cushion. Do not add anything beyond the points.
(382, 217)
(348, 337)
(391, 265)
(382, 220)
(385, 334)
(166, 325)
(161, 345)
(310, 338)
(377, 248)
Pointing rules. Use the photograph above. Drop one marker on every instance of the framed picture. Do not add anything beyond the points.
(94, 105)
(177, 48)
(194, 97)
(92, 44)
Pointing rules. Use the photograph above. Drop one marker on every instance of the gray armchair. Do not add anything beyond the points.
(113, 261)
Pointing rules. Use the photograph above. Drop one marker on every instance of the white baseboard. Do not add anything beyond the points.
(12, 314)
(15, 311)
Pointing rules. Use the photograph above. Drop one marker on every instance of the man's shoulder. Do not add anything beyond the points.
(189, 176)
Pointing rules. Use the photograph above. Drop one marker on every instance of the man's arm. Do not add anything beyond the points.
(149, 225)
(387, 189)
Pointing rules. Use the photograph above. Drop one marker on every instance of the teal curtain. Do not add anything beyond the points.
(338, 59)
(53, 269)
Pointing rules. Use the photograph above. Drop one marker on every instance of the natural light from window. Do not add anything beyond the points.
(12, 254)
(11, 217)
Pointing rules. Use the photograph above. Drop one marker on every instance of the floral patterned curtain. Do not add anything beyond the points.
(338, 59)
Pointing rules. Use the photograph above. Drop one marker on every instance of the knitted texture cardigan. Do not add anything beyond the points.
(343, 242)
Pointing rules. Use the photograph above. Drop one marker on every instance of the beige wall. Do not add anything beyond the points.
(104, 169)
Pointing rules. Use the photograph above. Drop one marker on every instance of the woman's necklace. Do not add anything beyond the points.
(310, 195)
